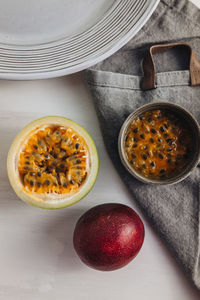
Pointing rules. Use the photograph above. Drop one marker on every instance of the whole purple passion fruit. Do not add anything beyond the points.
(108, 236)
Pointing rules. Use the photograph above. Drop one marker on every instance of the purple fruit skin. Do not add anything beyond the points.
(108, 236)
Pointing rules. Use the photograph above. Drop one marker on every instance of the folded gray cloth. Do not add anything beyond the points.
(115, 86)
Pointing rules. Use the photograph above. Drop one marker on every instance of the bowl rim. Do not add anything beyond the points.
(150, 106)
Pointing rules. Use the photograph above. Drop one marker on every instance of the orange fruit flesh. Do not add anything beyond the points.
(54, 159)
(158, 144)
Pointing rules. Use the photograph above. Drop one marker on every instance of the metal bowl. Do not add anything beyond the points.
(183, 115)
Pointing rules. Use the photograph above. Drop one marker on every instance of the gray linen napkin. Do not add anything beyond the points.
(115, 86)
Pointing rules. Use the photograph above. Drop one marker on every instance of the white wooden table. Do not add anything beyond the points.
(37, 260)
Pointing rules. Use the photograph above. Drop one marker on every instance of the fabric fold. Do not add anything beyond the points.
(115, 87)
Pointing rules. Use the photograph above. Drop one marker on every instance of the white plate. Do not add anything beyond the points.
(48, 38)
(35, 22)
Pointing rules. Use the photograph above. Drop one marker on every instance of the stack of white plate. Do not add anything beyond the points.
(49, 38)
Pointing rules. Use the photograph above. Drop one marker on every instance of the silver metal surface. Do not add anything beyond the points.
(184, 115)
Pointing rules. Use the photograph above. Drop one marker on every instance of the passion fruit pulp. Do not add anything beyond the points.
(52, 163)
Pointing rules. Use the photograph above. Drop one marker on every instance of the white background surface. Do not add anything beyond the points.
(37, 260)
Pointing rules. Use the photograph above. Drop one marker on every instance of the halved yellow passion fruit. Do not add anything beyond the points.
(52, 163)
